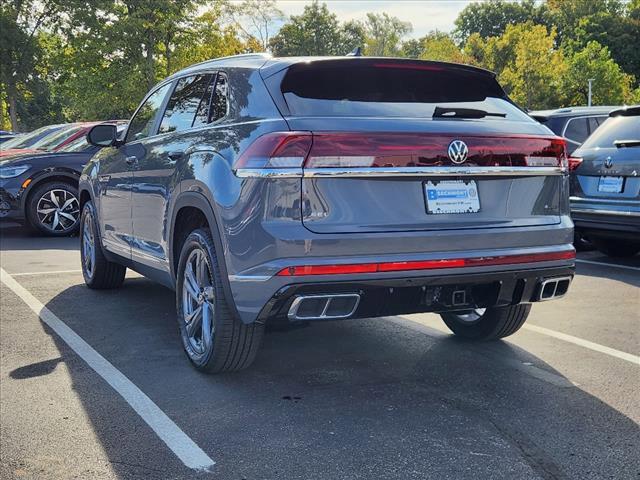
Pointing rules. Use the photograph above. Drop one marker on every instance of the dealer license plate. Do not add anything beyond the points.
(452, 196)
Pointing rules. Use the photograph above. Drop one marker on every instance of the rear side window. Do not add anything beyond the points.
(390, 89)
(577, 130)
(186, 101)
(615, 128)
(142, 123)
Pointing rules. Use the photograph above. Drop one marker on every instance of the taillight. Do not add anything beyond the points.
(379, 150)
(574, 162)
(376, 150)
(276, 150)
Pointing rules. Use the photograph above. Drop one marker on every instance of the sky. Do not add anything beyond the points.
(424, 15)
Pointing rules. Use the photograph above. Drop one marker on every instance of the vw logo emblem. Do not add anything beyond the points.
(608, 162)
(458, 151)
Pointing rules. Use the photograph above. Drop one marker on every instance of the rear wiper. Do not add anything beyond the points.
(441, 112)
(626, 143)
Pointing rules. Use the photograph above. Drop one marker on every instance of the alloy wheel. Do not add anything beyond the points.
(58, 210)
(198, 302)
(471, 316)
(88, 246)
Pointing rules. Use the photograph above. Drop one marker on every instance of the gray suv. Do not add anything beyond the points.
(296, 189)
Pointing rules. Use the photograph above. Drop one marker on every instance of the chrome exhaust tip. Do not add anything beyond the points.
(553, 288)
(324, 307)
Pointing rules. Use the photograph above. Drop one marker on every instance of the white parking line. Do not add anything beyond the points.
(185, 449)
(50, 272)
(603, 264)
(612, 352)
(596, 347)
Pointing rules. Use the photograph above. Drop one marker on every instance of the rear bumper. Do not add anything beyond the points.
(395, 296)
(604, 221)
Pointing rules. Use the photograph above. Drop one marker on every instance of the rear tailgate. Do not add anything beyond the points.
(379, 158)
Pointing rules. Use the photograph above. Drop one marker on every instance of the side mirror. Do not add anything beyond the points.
(103, 135)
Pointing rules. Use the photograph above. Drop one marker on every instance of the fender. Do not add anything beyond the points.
(199, 201)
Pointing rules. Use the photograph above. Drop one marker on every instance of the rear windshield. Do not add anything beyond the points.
(391, 90)
(615, 128)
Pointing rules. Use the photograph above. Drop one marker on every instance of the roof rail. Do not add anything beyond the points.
(264, 55)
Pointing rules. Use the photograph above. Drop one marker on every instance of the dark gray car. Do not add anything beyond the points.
(294, 189)
(605, 185)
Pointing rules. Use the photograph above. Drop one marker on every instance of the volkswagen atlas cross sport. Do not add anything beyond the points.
(295, 189)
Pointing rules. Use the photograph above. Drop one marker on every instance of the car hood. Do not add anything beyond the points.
(12, 152)
(41, 157)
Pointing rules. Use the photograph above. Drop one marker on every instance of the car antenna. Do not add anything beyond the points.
(356, 52)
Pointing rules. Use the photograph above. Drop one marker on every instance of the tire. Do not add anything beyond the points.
(98, 272)
(487, 324)
(616, 248)
(217, 341)
(53, 209)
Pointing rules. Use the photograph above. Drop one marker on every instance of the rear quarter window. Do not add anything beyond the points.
(391, 89)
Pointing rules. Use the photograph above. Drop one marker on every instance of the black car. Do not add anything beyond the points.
(41, 189)
(605, 185)
(575, 124)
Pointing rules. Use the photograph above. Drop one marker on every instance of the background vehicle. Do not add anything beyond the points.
(575, 124)
(25, 141)
(54, 140)
(5, 136)
(311, 189)
(42, 188)
(605, 185)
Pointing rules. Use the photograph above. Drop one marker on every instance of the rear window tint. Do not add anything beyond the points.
(577, 129)
(615, 128)
(390, 89)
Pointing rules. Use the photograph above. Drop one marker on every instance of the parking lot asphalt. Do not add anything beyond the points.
(392, 398)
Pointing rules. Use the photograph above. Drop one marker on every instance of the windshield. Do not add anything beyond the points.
(28, 139)
(615, 128)
(50, 142)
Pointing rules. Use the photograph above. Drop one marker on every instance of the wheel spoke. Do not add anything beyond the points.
(56, 221)
(67, 203)
(46, 211)
(193, 321)
(190, 281)
(68, 216)
(206, 325)
(54, 199)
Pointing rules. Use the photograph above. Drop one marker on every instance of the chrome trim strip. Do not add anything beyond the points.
(606, 212)
(358, 172)
(629, 201)
(248, 278)
(432, 171)
(268, 172)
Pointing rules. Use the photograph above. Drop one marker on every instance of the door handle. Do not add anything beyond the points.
(177, 155)
(131, 160)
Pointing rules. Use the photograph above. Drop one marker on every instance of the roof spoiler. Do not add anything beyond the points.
(628, 111)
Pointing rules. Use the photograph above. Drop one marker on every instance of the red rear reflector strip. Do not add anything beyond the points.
(423, 264)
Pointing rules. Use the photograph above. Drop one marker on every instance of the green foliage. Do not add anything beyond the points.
(383, 34)
(68, 60)
(611, 86)
(491, 18)
(316, 31)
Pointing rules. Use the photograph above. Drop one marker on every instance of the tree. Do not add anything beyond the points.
(316, 32)
(491, 18)
(20, 24)
(256, 19)
(528, 66)
(611, 85)
(383, 34)
(439, 46)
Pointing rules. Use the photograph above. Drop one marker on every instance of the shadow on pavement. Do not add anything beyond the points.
(355, 399)
(17, 237)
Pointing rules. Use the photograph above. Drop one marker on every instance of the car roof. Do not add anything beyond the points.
(627, 111)
(270, 65)
(573, 111)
